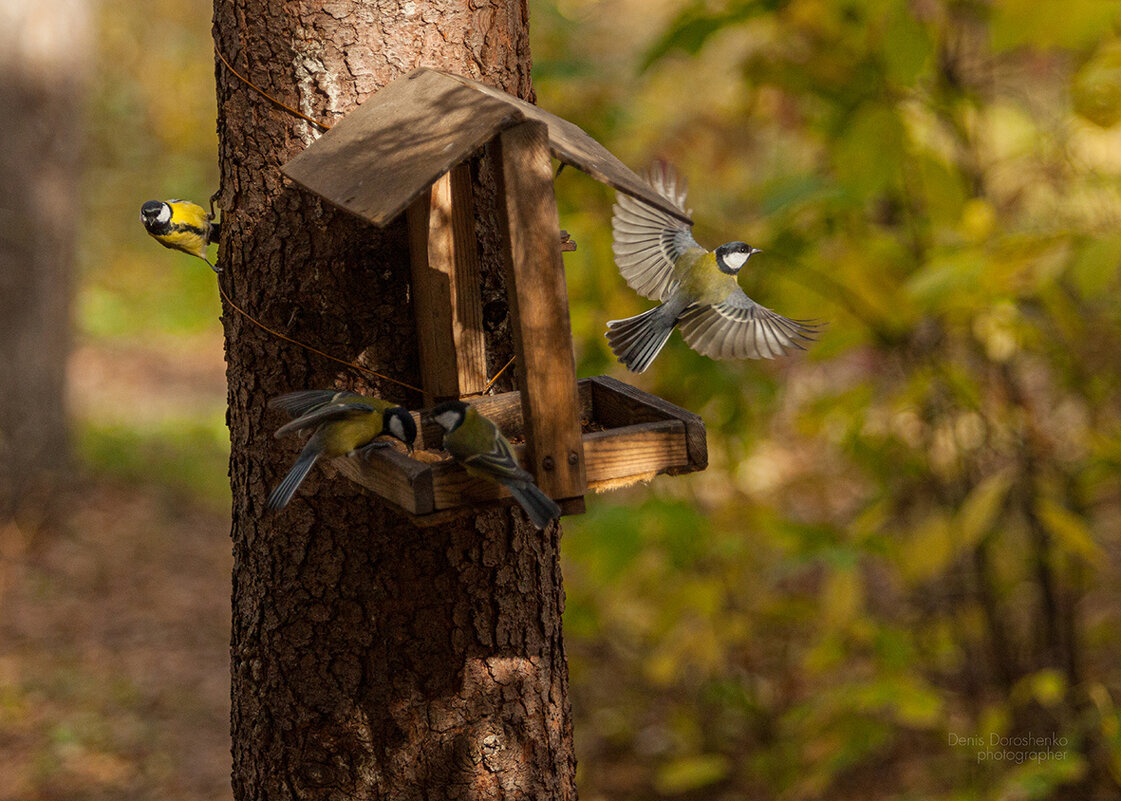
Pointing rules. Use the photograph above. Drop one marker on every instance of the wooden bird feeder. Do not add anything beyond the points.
(405, 150)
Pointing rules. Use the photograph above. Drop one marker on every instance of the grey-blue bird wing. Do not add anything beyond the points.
(499, 462)
(646, 241)
(740, 328)
(297, 404)
(326, 414)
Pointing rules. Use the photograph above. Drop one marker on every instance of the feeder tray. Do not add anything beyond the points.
(629, 436)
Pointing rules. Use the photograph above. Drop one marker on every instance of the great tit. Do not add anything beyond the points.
(477, 444)
(659, 259)
(181, 225)
(344, 423)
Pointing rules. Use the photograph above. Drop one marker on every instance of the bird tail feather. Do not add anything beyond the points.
(287, 488)
(636, 340)
(539, 506)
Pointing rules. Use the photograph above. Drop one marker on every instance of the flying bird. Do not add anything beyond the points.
(659, 258)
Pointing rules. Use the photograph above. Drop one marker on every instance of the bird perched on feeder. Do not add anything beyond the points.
(344, 423)
(477, 444)
(181, 225)
(659, 258)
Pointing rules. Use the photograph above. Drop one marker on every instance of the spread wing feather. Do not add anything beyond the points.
(739, 328)
(326, 414)
(300, 403)
(646, 241)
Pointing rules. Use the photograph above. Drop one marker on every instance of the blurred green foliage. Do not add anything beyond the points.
(188, 455)
(150, 135)
(909, 536)
(906, 544)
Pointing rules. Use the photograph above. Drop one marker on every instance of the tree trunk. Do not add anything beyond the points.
(43, 54)
(370, 658)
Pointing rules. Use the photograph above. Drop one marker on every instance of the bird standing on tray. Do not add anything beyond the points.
(477, 444)
(181, 225)
(344, 423)
(659, 259)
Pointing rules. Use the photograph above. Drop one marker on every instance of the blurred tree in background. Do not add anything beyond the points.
(149, 388)
(44, 61)
(907, 541)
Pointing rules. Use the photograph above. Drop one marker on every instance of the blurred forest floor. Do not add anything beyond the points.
(114, 624)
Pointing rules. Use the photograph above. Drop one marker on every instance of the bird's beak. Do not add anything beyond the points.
(754, 251)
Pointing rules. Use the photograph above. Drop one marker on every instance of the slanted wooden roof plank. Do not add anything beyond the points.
(387, 152)
(383, 155)
(572, 145)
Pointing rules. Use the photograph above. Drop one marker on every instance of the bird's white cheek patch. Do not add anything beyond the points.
(447, 420)
(735, 260)
(165, 214)
(396, 428)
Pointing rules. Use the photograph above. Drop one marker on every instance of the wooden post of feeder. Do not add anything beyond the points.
(539, 309)
(447, 300)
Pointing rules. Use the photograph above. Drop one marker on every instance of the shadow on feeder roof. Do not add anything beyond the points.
(383, 155)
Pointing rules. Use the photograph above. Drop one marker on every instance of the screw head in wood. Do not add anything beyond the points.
(547, 463)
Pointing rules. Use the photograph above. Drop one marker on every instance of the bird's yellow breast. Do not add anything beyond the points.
(187, 240)
(188, 228)
(701, 279)
(343, 436)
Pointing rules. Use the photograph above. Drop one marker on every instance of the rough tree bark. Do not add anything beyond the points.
(44, 50)
(370, 658)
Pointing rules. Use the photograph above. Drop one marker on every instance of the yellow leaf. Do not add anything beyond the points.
(978, 219)
(1068, 529)
(1096, 92)
(1048, 687)
(688, 773)
(917, 705)
(1030, 23)
(841, 598)
(982, 506)
(928, 550)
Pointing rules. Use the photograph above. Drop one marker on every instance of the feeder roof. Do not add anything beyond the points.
(385, 153)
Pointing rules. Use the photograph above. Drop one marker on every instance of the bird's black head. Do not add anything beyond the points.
(155, 214)
(730, 257)
(449, 415)
(399, 423)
